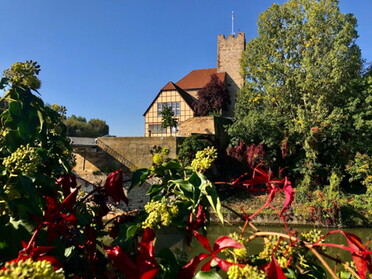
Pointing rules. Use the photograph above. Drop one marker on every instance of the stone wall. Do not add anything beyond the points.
(229, 54)
(137, 149)
(90, 159)
(197, 125)
(207, 125)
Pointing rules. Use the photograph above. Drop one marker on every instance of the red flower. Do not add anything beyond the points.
(145, 266)
(114, 187)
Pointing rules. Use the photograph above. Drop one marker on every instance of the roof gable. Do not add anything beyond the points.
(197, 79)
(170, 86)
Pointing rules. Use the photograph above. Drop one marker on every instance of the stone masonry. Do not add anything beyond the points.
(229, 54)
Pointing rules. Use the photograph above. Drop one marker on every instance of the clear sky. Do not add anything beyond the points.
(108, 59)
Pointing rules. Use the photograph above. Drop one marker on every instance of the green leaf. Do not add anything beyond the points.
(207, 275)
(68, 251)
(41, 119)
(210, 192)
(132, 230)
(172, 164)
(185, 185)
(154, 190)
(139, 177)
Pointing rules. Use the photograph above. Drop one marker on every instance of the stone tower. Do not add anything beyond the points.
(229, 54)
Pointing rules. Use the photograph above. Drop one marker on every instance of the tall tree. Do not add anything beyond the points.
(298, 74)
(168, 119)
(213, 98)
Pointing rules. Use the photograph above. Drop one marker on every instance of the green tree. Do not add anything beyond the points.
(100, 125)
(77, 126)
(298, 94)
(168, 119)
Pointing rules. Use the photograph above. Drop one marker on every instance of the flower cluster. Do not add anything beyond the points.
(30, 269)
(237, 254)
(24, 160)
(282, 250)
(248, 271)
(204, 159)
(160, 213)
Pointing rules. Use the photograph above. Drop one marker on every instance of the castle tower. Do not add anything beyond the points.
(229, 54)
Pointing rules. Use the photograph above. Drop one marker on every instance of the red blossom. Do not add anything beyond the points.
(114, 187)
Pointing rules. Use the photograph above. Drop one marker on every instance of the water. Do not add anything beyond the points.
(173, 239)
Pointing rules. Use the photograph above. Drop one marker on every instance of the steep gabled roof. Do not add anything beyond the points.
(169, 87)
(197, 79)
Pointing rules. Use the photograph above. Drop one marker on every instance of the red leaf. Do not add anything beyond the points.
(289, 194)
(150, 274)
(359, 252)
(122, 261)
(70, 200)
(114, 186)
(146, 257)
(67, 181)
(273, 270)
(187, 271)
(224, 242)
(203, 241)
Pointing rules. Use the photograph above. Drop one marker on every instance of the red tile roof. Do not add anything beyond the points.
(197, 79)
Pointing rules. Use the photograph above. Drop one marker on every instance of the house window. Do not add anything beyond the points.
(176, 108)
(157, 129)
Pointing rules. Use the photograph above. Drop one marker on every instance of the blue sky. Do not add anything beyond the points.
(108, 59)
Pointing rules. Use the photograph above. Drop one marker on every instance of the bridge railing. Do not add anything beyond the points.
(116, 155)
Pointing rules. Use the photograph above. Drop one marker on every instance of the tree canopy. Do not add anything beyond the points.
(77, 126)
(213, 98)
(168, 119)
(302, 86)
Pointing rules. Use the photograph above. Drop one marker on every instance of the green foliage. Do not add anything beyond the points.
(79, 127)
(24, 74)
(168, 119)
(34, 151)
(360, 170)
(304, 97)
(189, 147)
